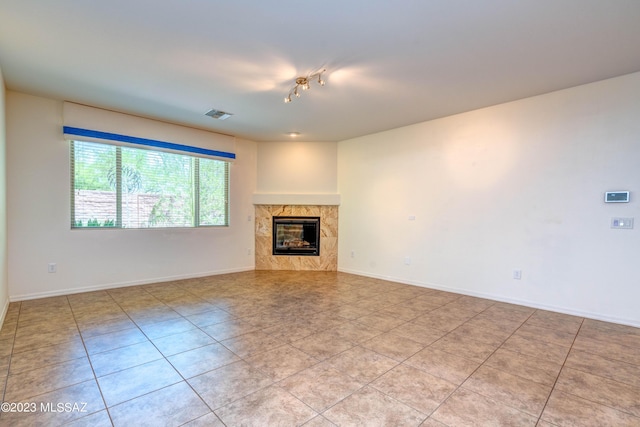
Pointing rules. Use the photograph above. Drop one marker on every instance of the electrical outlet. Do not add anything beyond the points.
(353, 254)
(407, 260)
(517, 274)
(52, 267)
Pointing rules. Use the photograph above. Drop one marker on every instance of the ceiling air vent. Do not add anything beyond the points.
(217, 114)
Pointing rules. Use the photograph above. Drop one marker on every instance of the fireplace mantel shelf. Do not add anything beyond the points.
(296, 199)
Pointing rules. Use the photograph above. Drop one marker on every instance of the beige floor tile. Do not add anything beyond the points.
(611, 332)
(46, 321)
(137, 381)
(558, 321)
(430, 422)
(49, 355)
(202, 359)
(464, 346)
(167, 327)
(186, 307)
(272, 406)
(229, 329)
(492, 322)
(466, 408)
(30, 339)
(8, 330)
(310, 332)
(623, 397)
(362, 364)
(539, 349)
(319, 421)
(289, 332)
(84, 398)
(320, 386)
(371, 304)
(114, 340)
(181, 342)
(447, 366)
(122, 358)
(207, 420)
(415, 388)
(402, 312)
(370, 407)
(603, 367)
(97, 419)
(566, 410)
(105, 326)
(210, 317)
(252, 343)
(516, 392)
(514, 313)
(148, 316)
(355, 332)
(531, 368)
(27, 384)
(487, 335)
(350, 312)
(445, 321)
(473, 304)
(393, 346)
(229, 383)
(418, 332)
(322, 345)
(610, 350)
(281, 362)
(554, 336)
(152, 409)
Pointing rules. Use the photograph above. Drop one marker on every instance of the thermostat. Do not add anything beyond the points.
(616, 197)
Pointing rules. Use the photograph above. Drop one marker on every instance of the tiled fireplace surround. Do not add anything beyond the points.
(328, 259)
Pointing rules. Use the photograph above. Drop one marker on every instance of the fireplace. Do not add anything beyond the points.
(294, 235)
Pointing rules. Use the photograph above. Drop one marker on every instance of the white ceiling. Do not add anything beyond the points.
(389, 63)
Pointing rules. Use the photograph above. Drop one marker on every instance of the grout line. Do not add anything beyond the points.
(553, 388)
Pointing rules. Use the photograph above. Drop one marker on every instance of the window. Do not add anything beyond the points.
(122, 187)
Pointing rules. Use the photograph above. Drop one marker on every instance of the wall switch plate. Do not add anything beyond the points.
(622, 223)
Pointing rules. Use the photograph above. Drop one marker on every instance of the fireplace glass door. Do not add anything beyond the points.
(296, 235)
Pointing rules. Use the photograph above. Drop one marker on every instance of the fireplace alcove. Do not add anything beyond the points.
(298, 236)
(327, 260)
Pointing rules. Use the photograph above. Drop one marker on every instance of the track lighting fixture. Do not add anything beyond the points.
(302, 83)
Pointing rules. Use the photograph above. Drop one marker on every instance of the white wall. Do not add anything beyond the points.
(297, 167)
(4, 286)
(514, 186)
(39, 218)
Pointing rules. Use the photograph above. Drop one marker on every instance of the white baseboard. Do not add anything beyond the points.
(69, 291)
(532, 304)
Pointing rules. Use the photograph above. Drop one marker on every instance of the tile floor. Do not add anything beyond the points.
(314, 349)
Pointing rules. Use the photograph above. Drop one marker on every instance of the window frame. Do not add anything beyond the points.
(196, 184)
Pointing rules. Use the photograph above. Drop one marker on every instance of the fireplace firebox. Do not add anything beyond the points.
(296, 235)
